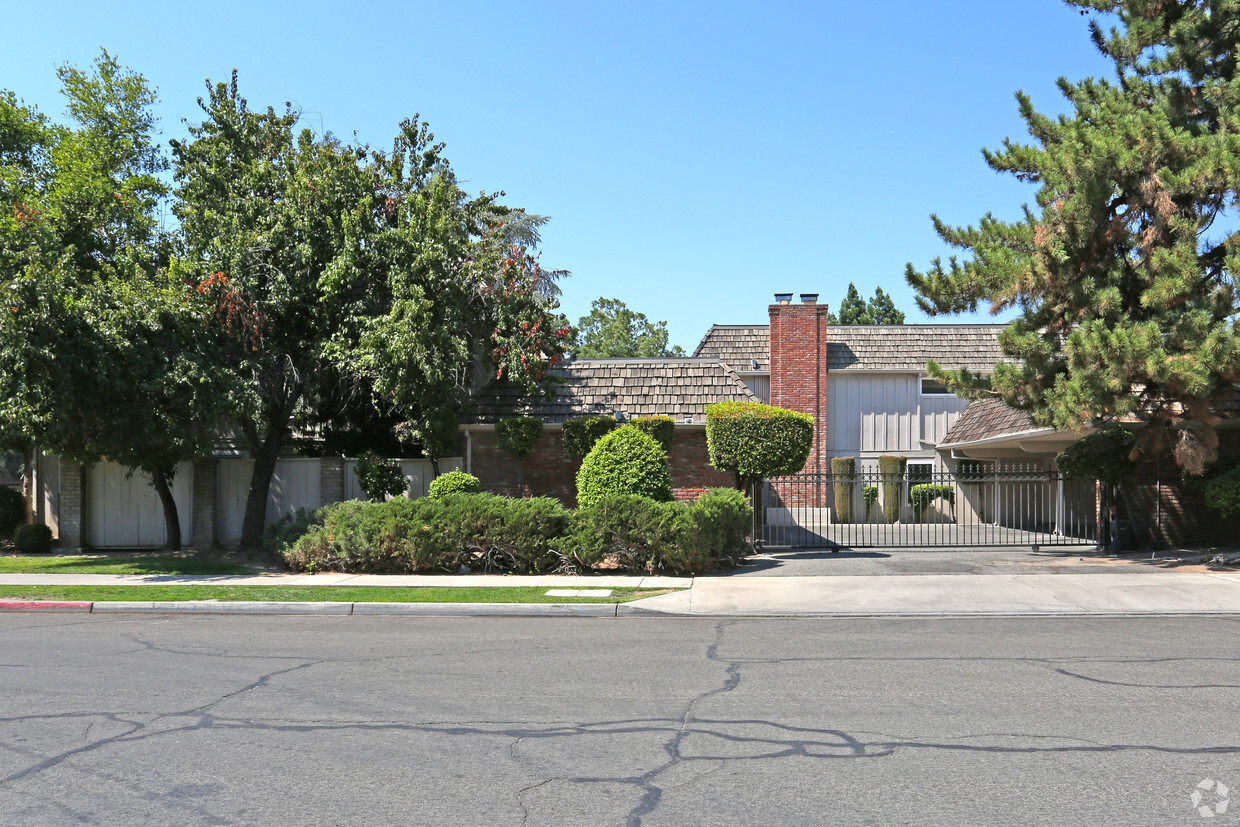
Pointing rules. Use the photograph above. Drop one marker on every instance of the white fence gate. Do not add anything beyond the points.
(125, 512)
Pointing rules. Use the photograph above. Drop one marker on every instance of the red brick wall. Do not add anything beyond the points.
(549, 472)
(799, 369)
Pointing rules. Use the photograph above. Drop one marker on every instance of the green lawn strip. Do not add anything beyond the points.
(318, 594)
(117, 564)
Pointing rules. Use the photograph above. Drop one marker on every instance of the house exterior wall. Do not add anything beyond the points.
(548, 471)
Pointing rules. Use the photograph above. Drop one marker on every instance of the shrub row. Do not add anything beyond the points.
(535, 534)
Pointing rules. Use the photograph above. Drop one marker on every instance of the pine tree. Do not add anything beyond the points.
(1124, 271)
(882, 309)
(853, 309)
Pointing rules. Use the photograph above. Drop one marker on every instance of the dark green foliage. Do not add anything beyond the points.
(528, 535)
(755, 441)
(855, 310)
(892, 470)
(380, 477)
(925, 493)
(33, 538)
(642, 535)
(453, 482)
(1222, 491)
(612, 331)
(844, 469)
(870, 495)
(1102, 455)
(1124, 270)
(282, 534)
(518, 435)
(662, 428)
(626, 461)
(581, 432)
(12, 510)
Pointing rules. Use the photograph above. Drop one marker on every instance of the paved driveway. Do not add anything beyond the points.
(913, 561)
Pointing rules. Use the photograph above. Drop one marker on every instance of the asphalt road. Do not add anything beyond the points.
(656, 721)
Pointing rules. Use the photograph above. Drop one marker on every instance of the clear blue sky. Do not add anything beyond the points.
(694, 158)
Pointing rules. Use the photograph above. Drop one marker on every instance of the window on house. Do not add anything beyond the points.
(917, 473)
(933, 387)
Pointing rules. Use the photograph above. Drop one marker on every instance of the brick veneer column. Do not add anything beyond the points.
(331, 480)
(72, 503)
(202, 526)
(799, 367)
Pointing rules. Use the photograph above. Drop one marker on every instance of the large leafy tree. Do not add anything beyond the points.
(99, 339)
(612, 330)
(1124, 271)
(345, 274)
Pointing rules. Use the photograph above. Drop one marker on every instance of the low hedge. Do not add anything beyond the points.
(528, 535)
(33, 538)
(662, 428)
(453, 482)
(579, 433)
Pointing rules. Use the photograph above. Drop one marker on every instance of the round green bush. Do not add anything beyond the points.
(518, 434)
(662, 428)
(626, 461)
(12, 510)
(579, 433)
(33, 539)
(1223, 491)
(380, 477)
(1103, 455)
(453, 482)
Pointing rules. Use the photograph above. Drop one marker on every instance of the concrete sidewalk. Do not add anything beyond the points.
(937, 595)
(1144, 593)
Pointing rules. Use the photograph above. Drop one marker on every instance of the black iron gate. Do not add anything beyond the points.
(987, 506)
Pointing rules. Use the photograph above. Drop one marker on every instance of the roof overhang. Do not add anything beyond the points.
(1033, 441)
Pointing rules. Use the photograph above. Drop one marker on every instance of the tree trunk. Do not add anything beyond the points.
(260, 486)
(172, 520)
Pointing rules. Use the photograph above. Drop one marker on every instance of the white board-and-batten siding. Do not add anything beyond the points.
(873, 414)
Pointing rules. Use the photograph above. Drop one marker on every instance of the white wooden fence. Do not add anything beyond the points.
(125, 512)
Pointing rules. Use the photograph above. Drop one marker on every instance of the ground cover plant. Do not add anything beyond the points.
(484, 532)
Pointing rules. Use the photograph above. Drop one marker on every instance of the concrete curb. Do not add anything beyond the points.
(248, 607)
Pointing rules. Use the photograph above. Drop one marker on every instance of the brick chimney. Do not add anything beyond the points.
(798, 363)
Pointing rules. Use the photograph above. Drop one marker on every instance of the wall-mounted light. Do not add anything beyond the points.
(619, 415)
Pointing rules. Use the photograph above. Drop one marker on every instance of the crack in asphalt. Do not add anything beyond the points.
(778, 742)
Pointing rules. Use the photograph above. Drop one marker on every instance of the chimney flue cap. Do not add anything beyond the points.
(783, 298)
(809, 298)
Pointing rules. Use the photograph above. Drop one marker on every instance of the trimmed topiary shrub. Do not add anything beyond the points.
(380, 477)
(1222, 491)
(662, 428)
(518, 435)
(755, 441)
(12, 510)
(869, 495)
(844, 471)
(453, 482)
(925, 493)
(625, 461)
(1102, 455)
(33, 538)
(892, 470)
(579, 433)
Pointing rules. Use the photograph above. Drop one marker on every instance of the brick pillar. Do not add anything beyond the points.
(799, 335)
(72, 504)
(331, 480)
(202, 525)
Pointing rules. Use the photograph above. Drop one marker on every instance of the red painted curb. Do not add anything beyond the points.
(54, 605)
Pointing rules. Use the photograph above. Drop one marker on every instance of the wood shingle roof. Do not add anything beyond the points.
(679, 388)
